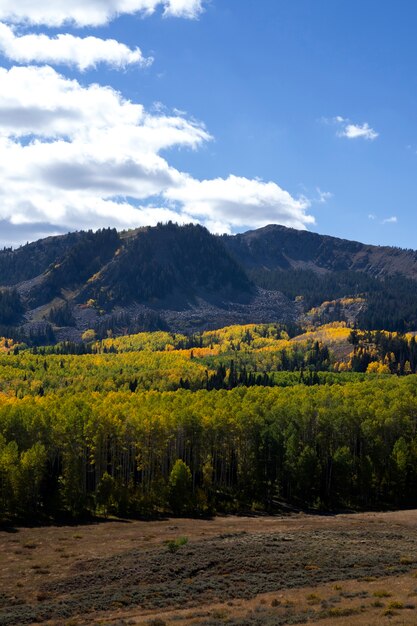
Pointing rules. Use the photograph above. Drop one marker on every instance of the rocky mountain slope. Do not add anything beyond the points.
(185, 279)
(277, 247)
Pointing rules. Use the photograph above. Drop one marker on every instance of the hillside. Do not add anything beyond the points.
(185, 279)
(169, 266)
(277, 247)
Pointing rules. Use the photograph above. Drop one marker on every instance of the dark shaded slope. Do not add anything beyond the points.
(34, 258)
(78, 264)
(169, 264)
(278, 247)
(11, 308)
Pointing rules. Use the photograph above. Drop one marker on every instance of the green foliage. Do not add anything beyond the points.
(118, 432)
(9, 464)
(351, 444)
(180, 488)
(31, 476)
(106, 492)
(175, 544)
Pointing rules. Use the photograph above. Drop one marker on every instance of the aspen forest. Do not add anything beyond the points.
(239, 419)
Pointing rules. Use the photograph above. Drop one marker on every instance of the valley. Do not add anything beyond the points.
(207, 430)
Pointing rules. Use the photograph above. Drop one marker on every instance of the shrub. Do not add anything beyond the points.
(176, 544)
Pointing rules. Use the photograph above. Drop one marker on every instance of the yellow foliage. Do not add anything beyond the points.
(377, 368)
(88, 335)
(6, 344)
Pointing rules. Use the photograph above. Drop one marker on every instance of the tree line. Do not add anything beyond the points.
(131, 453)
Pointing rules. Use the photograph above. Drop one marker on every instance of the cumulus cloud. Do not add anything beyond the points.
(238, 202)
(91, 12)
(66, 49)
(354, 131)
(39, 102)
(78, 148)
(74, 156)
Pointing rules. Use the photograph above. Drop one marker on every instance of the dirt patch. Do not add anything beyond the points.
(262, 570)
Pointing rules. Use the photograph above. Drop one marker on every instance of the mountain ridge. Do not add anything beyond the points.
(185, 279)
(305, 243)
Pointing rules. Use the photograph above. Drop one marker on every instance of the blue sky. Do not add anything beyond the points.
(233, 113)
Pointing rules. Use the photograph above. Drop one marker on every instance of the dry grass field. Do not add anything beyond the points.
(262, 571)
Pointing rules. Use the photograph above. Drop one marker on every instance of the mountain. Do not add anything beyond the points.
(169, 265)
(33, 259)
(319, 268)
(185, 279)
(279, 248)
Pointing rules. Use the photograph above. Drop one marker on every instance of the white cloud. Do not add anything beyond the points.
(183, 8)
(78, 148)
(83, 157)
(354, 131)
(237, 202)
(66, 49)
(39, 102)
(323, 196)
(91, 12)
(387, 220)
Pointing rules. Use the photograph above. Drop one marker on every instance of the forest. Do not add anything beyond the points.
(242, 418)
(391, 301)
